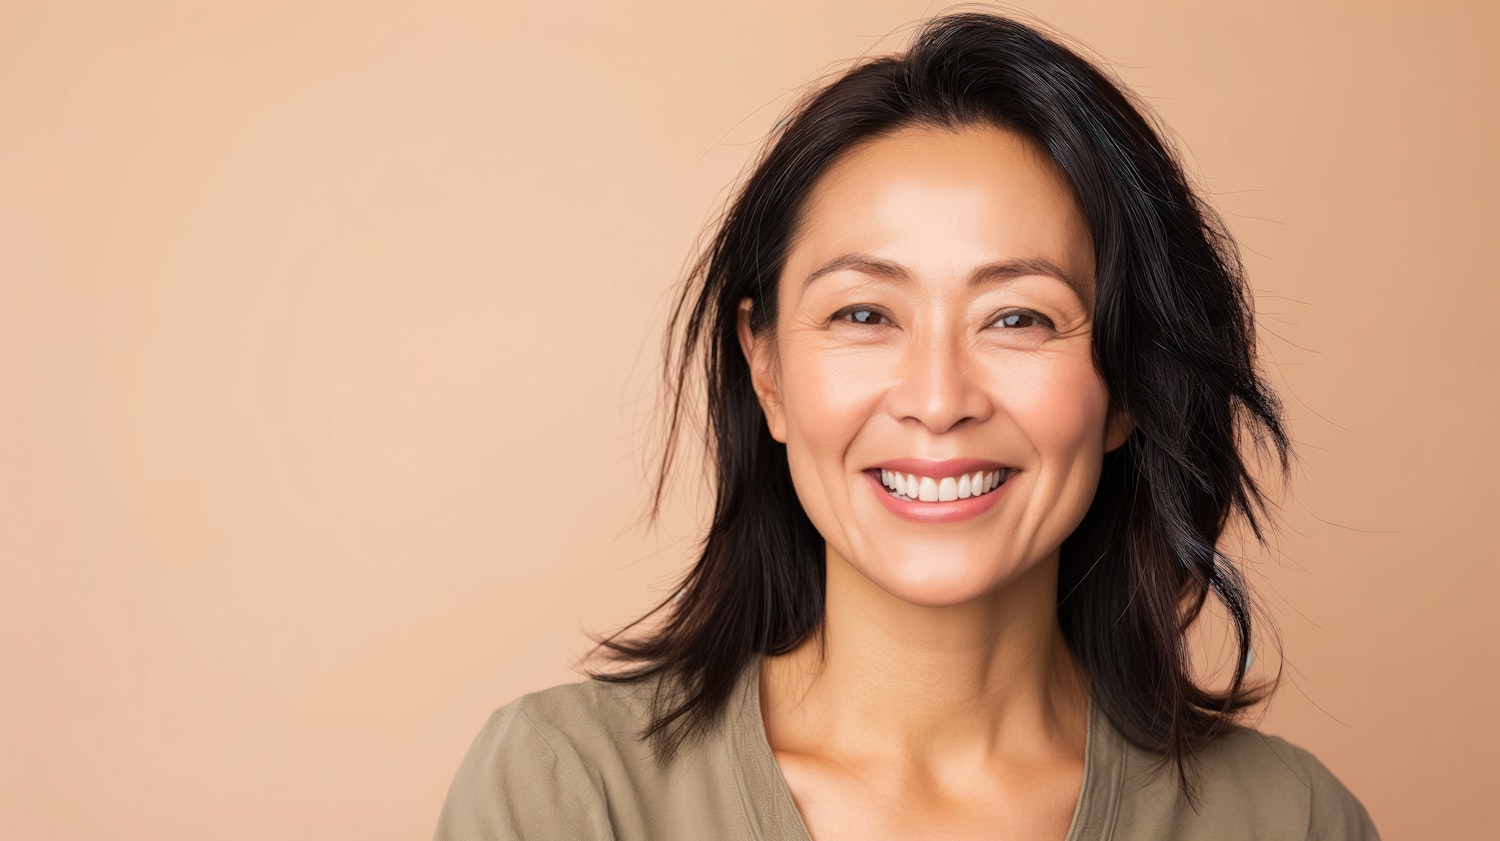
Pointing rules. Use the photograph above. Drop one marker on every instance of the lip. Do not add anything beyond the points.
(936, 469)
(955, 511)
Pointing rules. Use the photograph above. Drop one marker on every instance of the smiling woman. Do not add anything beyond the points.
(977, 363)
(955, 347)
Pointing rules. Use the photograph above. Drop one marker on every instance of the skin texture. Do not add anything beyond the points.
(939, 699)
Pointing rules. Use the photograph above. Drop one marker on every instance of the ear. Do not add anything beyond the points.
(760, 356)
(1117, 428)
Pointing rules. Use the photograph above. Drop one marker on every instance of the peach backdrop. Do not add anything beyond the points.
(328, 337)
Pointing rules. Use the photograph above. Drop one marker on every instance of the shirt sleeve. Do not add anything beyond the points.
(1335, 813)
(517, 784)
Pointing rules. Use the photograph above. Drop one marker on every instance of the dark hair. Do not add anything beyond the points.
(1174, 339)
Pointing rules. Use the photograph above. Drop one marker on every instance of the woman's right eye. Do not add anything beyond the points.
(858, 315)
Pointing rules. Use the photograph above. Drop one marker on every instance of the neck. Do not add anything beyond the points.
(918, 684)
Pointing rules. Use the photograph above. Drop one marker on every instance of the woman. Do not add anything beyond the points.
(977, 363)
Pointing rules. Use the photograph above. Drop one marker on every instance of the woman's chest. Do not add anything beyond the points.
(838, 804)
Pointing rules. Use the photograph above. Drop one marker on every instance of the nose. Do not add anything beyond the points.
(939, 383)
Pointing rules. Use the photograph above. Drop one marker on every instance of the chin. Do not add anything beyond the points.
(945, 584)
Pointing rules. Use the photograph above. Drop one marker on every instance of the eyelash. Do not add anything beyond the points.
(1041, 320)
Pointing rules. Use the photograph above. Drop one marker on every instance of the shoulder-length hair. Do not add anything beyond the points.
(1173, 342)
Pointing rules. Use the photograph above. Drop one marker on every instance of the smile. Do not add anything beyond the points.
(914, 488)
(939, 500)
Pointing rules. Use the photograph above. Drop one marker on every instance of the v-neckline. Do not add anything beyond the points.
(772, 814)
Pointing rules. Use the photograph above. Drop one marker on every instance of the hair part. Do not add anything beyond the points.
(1173, 342)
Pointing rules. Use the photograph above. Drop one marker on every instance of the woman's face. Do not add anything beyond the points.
(936, 307)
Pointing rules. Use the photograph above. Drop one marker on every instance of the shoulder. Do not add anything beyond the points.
(1257, 784)
(582, 718)
(534, 768)
(1333, 812)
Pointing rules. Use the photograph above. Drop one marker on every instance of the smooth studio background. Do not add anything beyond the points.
(329, 335)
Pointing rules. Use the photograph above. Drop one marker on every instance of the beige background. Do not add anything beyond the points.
(328, 337)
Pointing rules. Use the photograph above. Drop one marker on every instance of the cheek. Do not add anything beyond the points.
(827, 397)
(1062, 411)
(1062, 407)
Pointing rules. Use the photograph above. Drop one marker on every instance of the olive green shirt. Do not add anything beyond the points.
(565, 763)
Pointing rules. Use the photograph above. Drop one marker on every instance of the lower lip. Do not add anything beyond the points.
(935, 512)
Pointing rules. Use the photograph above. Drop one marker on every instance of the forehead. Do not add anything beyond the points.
(943, 201)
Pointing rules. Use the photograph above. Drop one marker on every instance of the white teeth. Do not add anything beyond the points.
(948, 489)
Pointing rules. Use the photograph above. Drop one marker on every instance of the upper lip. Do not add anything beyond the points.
(936, 469)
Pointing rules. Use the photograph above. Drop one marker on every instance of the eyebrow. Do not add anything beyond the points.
(988, 273)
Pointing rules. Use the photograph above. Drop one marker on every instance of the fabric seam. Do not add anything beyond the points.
(569, 775)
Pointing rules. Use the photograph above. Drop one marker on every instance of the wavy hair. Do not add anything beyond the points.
(1173, 342)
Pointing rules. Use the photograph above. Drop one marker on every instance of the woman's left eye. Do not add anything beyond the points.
(1022, 319)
